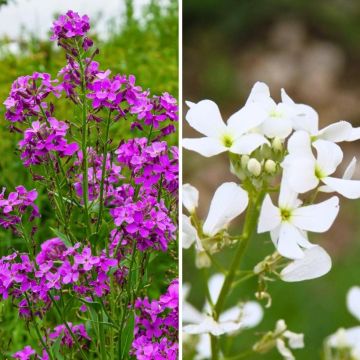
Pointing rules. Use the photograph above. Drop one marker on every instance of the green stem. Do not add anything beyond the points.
(103, 170)
(251, 218)
(68, 327)
(214, 347)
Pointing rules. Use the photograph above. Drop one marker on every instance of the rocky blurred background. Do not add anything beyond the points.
(312, 49)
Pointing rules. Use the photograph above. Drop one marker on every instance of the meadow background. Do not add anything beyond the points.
(141, 40)
(312, 49)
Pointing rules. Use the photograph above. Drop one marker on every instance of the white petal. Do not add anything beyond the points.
(203, 348)
(247, 118)
(215, 284)
(232, 314)
(190, 314)
(205, 118)
(306, 118)
(288, 243)
(270, 216)
(347, 188)
(288, 198)
(336, 132)
(300, 145)
(189, 103)
(296, 341)
(210, 326)
(189, 233)
(252, 314)
(259, 92)
(315, 263)
(355, 134)
(246, 144)
(229, 201)
(318, 217)
(353, 301)
(350, 169)
(273, 127)
(283, 350)
(205, 146)
(329, 156)
(190, 197)
(345, 337)
(300, 173)
(285, 98)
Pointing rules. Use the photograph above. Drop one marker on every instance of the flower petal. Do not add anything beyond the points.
(259, 92)
(353, 301)
(280, 128)
(283, 350)
(190, 197)
(288, 243)
(355, 134)
(300, 145)
(270, 216)
(300, 173)
(204, 146)
(318, 217)
(315, 263)
(347, 188)
(252, 314)
(189, 233)
(247, 118)
(229, 201)
(215, 284)
(336, 132)
(288, 198)
(350, 169)
(246, 144)
(329, 156)
(205, 118)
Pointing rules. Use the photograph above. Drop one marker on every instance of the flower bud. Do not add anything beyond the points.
(270, 166)
(202, 260)
(277, 144)
(254, 167)
(244, 161)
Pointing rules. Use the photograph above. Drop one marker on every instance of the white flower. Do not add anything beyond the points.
(304, 171)
(315, 263)
(308, 120)
(247, 315)
(289, 222)
(353, 301)
(281, 117)
(189, 234)
(190, 197)
(228, 202)
(219, 137)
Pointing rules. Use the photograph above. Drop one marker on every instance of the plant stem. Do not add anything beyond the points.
(103, 170)
(214, 347)
(68, 327)
(251, 219)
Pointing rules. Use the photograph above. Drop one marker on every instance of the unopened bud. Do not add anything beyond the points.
(277, 144)
(270, 166)
(254, 167)
(244, 161)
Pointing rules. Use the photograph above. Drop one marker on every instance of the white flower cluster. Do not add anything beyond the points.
(264, 140)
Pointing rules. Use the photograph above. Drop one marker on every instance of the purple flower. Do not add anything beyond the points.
(70, 26)
(24, 354)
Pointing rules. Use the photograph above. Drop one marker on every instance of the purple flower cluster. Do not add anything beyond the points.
(145, 221)
(27, 96)
(150, 164)
(43, 139)
(60, 333)
(112, 174)
(56, 266)
(70, 26)
(15, 205)
(156, 326)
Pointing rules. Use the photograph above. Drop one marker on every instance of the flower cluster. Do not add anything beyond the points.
(70, 25)
(266, 141)
(156, 326)
(56, 266)
(43, 140)
(15, 206)
(27, 95)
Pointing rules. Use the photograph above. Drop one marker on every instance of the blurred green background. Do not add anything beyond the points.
(146, 46)
(312, 49)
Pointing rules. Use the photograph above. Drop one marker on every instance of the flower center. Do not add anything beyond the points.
(275, 114)
(285, 214)
(227, 140)
(319, 173)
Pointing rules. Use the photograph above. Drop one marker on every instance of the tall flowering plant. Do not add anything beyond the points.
(287, 187)
(112, 181)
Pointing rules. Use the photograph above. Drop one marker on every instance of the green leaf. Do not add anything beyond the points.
(62, 236)
(127, 336)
